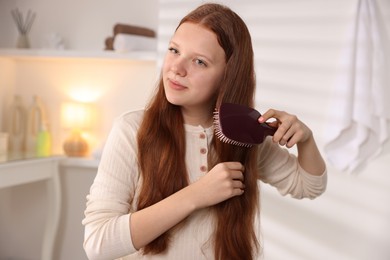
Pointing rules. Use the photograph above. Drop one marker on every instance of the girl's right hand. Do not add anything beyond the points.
(222, 182)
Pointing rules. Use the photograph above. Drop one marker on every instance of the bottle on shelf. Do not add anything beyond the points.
(43, 144)
(17, 126)
(35, 118)
(38, 140)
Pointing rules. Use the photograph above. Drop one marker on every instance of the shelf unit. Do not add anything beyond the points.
(24, 172)
(75, 54)
(30, 72)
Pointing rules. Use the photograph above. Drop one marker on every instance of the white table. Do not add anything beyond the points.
(25, 171)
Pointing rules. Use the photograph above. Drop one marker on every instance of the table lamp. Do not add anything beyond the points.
(77, 117)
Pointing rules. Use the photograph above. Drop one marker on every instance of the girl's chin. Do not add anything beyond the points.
(173, 97)
(174, 101)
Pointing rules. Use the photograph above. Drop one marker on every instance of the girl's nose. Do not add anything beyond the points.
(179, 67)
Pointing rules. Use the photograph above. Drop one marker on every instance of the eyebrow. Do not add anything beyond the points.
(208, 59)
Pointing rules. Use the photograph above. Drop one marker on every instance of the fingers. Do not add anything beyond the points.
(239, 190)
(234, 166)
(225, 180)
(235, 188)
(286, 130)
(271, 113)
(232, 177)
(230, 171)
(238, 185)
(290, 129)
(235, 178)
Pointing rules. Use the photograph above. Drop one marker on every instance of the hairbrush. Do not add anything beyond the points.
(238, 125)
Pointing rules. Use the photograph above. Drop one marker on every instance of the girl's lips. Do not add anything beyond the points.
(176, 85)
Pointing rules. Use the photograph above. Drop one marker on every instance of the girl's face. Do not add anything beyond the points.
(193, 68)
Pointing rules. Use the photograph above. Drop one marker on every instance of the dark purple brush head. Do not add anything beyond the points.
(238, 125)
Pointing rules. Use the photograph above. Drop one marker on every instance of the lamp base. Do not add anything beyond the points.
(76, 146)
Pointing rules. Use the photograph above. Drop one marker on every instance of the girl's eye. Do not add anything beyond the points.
(200, 62)
(173, 50)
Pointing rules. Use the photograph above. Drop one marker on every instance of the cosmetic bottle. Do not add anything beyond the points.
(17, 126)
(35, 119)
(43, 144)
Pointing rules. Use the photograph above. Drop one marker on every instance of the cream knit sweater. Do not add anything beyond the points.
(114, 193)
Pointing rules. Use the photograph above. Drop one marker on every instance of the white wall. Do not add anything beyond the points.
(6, 88)
(84, 25)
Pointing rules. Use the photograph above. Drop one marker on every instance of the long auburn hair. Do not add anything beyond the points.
(162, 135)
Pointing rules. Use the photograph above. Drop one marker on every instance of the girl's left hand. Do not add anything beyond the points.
(290, 129)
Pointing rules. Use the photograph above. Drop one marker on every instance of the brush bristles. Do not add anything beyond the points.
(220, 134)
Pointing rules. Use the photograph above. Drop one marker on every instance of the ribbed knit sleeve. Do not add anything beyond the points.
(109, 203)
(281, 169)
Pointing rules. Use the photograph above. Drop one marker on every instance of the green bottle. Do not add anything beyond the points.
(43, 142)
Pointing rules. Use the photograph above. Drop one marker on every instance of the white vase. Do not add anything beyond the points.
(23, 41)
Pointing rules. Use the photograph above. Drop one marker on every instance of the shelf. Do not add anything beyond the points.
(80, 162)
(19, 172)
(73, 54)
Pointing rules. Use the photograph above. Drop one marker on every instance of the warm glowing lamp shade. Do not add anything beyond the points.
(76, 117)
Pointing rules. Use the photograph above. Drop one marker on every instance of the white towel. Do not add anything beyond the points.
(362, 110)
(130, 42)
